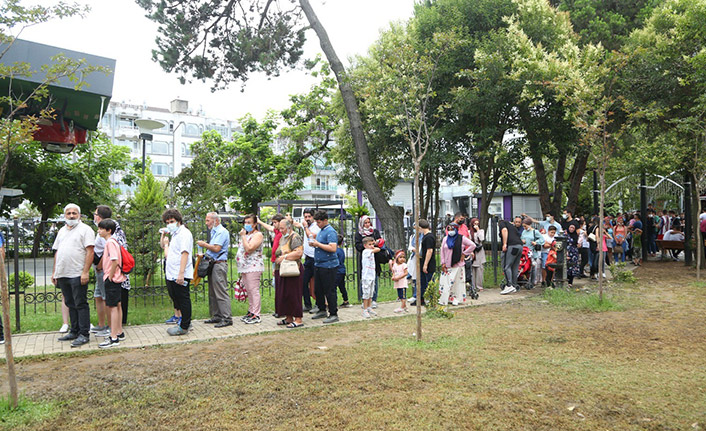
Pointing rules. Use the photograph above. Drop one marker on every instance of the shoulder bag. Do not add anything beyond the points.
(288, 268)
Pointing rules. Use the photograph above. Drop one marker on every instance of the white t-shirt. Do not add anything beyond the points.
(70, 246)
(368, 264)
(308, 249)
(676, 236)
(182, 241)
(702, 217)
(547, 240)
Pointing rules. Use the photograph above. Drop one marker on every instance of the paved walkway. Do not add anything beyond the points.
(46, 343)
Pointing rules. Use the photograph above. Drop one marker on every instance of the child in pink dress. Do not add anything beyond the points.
(399, 276)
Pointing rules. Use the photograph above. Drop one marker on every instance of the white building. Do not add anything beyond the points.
(170, 148)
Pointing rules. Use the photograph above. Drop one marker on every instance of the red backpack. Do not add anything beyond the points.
(127, 260)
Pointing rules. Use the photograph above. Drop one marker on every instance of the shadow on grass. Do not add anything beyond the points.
(26, 414)
(583, 301)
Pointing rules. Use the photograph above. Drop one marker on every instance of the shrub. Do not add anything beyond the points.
(431, 297)
(621, 274)
(26, 280)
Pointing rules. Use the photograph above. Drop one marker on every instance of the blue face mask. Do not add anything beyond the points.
(247, 227)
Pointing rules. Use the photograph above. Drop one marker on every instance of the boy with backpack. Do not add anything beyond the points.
(113, 277)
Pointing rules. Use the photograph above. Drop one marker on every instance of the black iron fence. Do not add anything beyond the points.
(28, 247)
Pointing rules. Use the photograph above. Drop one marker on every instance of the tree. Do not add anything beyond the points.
(51, 180)
(224, 41)
(23, 109)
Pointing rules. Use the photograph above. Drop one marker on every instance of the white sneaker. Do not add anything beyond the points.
(604, 275)
(374, 305)
(64, 328)
(103, 333)
(411, 300)
(366, 314)
(508, 289)
(454, 302)
(399, 310)
(372, 312)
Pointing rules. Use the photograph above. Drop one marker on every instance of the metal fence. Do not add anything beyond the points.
(28, 245)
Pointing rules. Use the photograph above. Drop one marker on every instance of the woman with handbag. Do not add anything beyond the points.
(251, 266)
(288, 267)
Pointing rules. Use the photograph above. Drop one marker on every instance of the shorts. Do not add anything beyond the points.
(112, 293)
(545, 254)
(368, 288)
(99, 291)
(402, 293)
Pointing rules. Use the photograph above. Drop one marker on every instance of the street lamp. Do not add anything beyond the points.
(174, 156)
(146, 126)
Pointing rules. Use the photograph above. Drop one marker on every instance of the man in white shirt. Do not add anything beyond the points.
(179, 269)
(73, 258)
(310, 232)
(674, 235)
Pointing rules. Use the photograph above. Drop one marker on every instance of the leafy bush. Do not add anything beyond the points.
(431, 297)
(26, 280)
(621, 274)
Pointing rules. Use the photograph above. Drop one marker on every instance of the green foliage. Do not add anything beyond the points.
(144, 218)
(27, 413)
(581, 301)
(431, 297)
(26, 280)
(622, 274)
(358, 211)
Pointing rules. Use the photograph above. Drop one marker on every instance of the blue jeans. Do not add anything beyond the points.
(652, 242)
(74, 294)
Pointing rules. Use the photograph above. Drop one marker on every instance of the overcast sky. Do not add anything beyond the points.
(118, 29)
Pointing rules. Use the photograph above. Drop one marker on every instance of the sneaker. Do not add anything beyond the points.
(176, 330)
(508, 289)
(69, 336)
(79, 341)
(400, 310)
(366, 315)
(223, 323)
(104, 333)
(331, 319)
(319, 315)
(454, 302)
(374, 304)
(64, 329)
(109, 342)
(172, 320)
(345, 304)
(252, 320)
(246, 317)
(121, 336)
(411, 300)
(314, 310)
(178, 322)
(212, 320)
(372, 312)
(2, 341)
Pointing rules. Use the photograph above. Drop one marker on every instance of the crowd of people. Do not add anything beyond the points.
(529, 256)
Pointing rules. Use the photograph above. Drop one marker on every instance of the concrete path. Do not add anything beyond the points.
(46, 343)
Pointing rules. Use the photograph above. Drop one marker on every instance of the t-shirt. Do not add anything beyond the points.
(368, 265)
(70, 246)
(182, 241)
(326, 259)
(565, 224)
(545, 225)
(513, 237)
(397, 270)
(676, 236)
(275, 244)
(112, 253)
(428, 243)
(308, 249)
(341, 260)
(219, 236)
(99, 245)
(702, 217)
(547, 240)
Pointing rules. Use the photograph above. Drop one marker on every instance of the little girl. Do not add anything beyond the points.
(399, 276)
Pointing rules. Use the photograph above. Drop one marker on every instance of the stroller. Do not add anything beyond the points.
(524, 277)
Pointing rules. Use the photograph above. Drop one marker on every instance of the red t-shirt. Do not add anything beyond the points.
(275, 244)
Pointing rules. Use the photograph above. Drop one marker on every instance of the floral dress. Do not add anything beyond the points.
(573, 260)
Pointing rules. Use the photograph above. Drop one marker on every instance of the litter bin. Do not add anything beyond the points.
(560, 272)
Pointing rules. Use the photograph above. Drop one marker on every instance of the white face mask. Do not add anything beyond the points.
(71, 223)
(172, 227)
(452, 233)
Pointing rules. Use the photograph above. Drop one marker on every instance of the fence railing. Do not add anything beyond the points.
(28, 246)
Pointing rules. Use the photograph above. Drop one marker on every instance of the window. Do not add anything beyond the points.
(191, 129)
(220, 128)
(161, 169)
(159, 147)
(134, 146)
(165, 129)
(107, 121)
(186, 150)
(128, 123)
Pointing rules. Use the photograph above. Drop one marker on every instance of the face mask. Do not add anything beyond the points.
(172, 227)
(71, 223)
(565, 216)
(452, 233)
(247, 227)
(548, 218)
(285, 235)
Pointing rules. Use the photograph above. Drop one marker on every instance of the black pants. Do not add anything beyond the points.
(584, 252)
(182, 301)
(75, 298)
(325, 288)
(124, 298)
(308, 275)
(341, 283)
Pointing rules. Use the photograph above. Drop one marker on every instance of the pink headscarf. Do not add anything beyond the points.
(361, 227)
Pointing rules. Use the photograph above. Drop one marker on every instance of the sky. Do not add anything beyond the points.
(118, 29)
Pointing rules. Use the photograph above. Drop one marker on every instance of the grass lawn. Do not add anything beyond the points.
(531, 365)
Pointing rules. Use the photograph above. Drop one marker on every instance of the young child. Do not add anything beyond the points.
(341, 273)
(368, 275)
(399, 276)
(113, 277)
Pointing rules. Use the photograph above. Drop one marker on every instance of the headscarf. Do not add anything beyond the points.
(453, 244)
(362, 230)
(573, 235)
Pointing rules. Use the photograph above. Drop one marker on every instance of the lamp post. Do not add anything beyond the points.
(146, 126)
(174, 156)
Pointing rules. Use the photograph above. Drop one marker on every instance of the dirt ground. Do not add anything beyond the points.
(522, 365)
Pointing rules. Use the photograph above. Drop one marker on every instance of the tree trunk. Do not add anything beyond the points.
(575, 180)
(388, 215)
(542, 186)
(417, 247)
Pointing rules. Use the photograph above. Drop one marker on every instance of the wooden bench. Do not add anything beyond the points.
(670, 245)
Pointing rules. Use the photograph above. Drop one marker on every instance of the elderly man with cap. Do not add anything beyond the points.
(73, 258)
